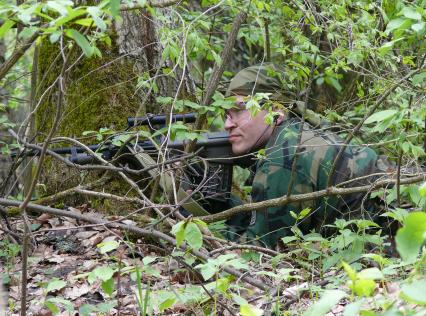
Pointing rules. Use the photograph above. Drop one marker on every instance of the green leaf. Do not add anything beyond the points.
(381, 116)
(55, 36)
(166, 299)
(65, 303)
(193, 236)
(179, 231)
(81, 41)
(386, 47)
(108, 286)
(55, 285)
(414, 292)
(363, 287)
(411, 237)
(326, 303)
(396, 24)
(333, 82)
(6, 27)
(148, 259)
(114, 6)
(422, 190)
(200, 223)
(103, 273)
(289, 239)
(249, 310)
(164, 100)
(105, 307)
(108, 246)
(418, 79)
(303, 213)
(349, 271)
(58, 6)
(95, 13)
(85, 22)
(411, 13)
(371, 274)
(208, 270)
(52, 307)
(353, 308)
(222, 285)
(418, 27)
(216, 57)
(86, 309)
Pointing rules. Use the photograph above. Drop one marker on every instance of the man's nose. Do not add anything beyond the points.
(229, 123)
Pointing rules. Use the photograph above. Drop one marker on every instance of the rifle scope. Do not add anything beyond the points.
(151, 119)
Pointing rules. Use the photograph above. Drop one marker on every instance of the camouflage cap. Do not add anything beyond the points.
(264, 78)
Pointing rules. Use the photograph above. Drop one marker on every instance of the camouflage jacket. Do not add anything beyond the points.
(273, 173)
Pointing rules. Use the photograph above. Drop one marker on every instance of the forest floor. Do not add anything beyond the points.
(79, 269)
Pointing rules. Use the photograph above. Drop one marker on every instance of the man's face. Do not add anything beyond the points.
(246, 133)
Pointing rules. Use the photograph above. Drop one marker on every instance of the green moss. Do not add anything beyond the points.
(99, 92)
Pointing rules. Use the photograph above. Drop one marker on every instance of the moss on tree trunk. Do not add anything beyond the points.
(100, 92)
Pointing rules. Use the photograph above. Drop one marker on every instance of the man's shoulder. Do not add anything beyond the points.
(315, 143)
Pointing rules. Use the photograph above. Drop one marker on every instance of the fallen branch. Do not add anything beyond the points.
(306, 197)
(264, 250)
(60, 195)
(135, 230)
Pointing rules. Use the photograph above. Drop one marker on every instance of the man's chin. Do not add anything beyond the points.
(238, 151)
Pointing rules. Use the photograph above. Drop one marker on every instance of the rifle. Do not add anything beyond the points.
(214, 176)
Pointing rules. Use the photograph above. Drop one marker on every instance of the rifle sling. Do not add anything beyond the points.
(166, 182)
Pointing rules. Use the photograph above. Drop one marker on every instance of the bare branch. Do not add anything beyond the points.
(367, 115)
(18, 53)
(330, 191)
(218, 70)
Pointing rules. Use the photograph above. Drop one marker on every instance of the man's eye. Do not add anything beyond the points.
(240, 106)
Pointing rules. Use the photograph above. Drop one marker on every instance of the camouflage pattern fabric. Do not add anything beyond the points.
(272, 178)
(266, 78)
(318, 151)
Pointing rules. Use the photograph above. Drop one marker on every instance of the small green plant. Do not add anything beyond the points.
(8, 253)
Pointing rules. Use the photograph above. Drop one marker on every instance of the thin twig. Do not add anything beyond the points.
(17, 54)
(218, 70)
(367, 115)
(302, 124)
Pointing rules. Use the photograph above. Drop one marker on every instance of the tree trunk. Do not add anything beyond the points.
(102, 92)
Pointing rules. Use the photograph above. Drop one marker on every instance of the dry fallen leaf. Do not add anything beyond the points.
(85, 234)
(56, 258)
(77, 291)
(96, 239)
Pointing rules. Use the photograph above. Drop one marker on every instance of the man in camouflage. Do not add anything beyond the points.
(273, 172)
